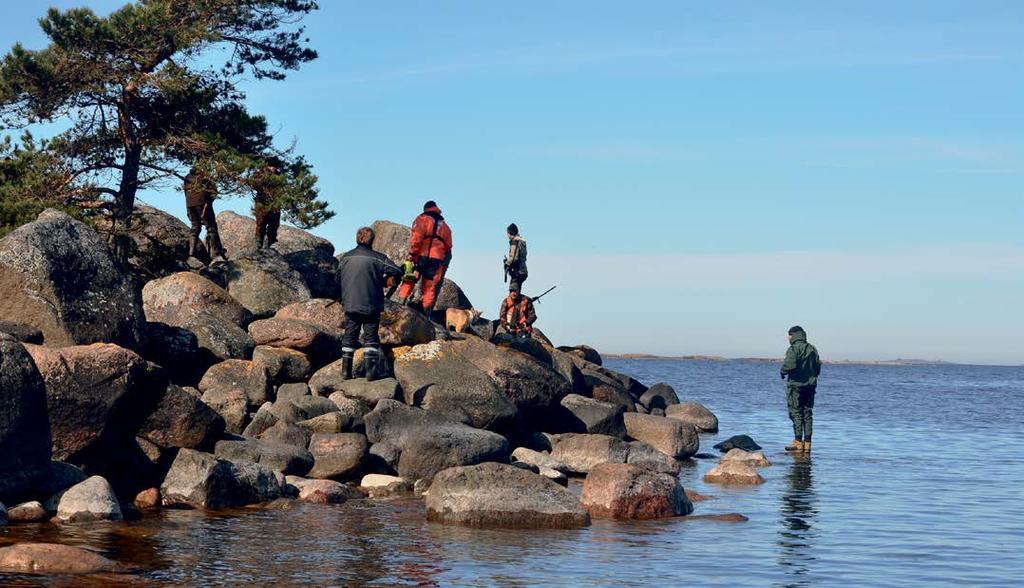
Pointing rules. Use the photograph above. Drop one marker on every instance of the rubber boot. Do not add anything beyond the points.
(193, 245)
(346, 365)
(807, 446)
(796, 445)
(370, 360)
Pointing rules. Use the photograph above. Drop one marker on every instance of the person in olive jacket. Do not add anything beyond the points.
(802, 367)
(363, 274)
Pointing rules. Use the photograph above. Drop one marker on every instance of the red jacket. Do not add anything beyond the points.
(423, 242)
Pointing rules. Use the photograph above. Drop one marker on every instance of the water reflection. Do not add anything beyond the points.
(797, 533)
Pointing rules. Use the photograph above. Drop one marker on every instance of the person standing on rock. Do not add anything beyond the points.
(362, 275)
(515, 261)
(802, 367)
(266, 211)
(430, 253)
(200, 191)
(517, 313)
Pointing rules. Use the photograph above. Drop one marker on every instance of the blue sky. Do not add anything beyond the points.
(695, 177)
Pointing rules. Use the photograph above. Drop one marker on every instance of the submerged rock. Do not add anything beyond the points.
(51, 558)
(500, 495)
(624, 491)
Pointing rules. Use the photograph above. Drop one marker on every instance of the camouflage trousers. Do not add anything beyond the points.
(800, 401)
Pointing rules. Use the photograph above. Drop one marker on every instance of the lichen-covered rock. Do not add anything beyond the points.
(98, 395)
(237, 374)
(182, 420)
(624, 491)
(283, 364)
(669, 436)
(24, 424)
(696, 414)
(429, 442)
(503, 496)
(91, 500)
(57, 275)
(736, 473)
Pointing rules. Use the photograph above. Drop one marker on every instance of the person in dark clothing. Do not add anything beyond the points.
(515, 261)
(363, 274)
(802, 367)
(200, 191)
(266, 211)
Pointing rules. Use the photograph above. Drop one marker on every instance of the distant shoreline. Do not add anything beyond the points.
(893, 362)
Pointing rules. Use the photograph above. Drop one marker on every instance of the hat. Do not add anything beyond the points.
(429, 204)
(514, 287)
(513, 229)
(797, 329)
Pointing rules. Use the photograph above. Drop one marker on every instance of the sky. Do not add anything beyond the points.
(694, 177)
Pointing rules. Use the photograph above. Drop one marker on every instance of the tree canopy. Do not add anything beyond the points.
(146, 93)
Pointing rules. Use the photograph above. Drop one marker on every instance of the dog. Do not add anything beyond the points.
(459, 320)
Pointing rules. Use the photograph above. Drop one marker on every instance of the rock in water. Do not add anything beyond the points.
(24, 425)
(429, 442)
(51, 558)
(696, 414)
(98, 396)
(91, 500)
(671, 437)
(538, 459)
(581, 453)
(57, 275)
(738, 442)
(28, 512)
(503, 496)
(624, 491)
(754, 458)
(736, 473)
(200, 480)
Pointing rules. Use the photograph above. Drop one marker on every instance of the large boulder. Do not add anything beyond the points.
(624, 491)
(220, 340)
(338, 456)
(178, 297)
(237, 374)
(98, 396)
(159, 241)
(325, 313)
(283, 364)
(669, 436)
(504, 496)
(88, 501)
(581, 453)
(695, 414)
(733, 473)
(182, 420)
(310, 256)
(429, 442)
(586, 415)
(584, 352)
(279, 457)
(660, 395)
(262, 282)
(52, 558)
(178, 348)
(320, 345)
(57, 275)
(200, 480)
(24, 424)
(437, 377)
(401, 325)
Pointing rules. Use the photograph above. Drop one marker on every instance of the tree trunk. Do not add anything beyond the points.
(124, 203)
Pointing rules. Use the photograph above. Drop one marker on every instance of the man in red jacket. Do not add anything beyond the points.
(430, 252)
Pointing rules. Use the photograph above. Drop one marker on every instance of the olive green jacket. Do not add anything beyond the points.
(802, 364)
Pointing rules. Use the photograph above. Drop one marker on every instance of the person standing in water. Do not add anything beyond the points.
(801, 368)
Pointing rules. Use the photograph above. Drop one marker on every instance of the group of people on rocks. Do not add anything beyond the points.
(364, 274)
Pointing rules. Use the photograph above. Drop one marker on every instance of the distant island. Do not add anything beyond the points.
(776, 359)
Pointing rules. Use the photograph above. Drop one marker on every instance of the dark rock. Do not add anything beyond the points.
(200, 480)
(696, 414)
(732, 517)
(338, 456)
(57, 275)
(584, 352)
(292, 390)
(659, 396)
(279, 457)
(283, 364)
(24, 425)
(98, 396)
(586, 415)
(182, 420)
(738, 442)
(564, 365)
(333, 422)
(624, 491)
(219, 340)
(614, 395)
(178, 347)
(159, 241)
(22, 333)
(232, 405)
(500, 495)
(671, 437)
(261, 281)
(429, 442)
(401, 325)
(56, 478)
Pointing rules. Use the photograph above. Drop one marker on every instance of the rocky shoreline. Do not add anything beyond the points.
(169, 385)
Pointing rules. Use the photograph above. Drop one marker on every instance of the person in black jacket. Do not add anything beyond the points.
(363, 274)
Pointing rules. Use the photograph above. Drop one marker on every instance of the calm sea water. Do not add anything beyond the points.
(917, 478)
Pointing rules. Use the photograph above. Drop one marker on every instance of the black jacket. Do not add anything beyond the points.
(361, 275)
(802, 365)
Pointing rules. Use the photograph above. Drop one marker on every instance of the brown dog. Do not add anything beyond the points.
(458, 320)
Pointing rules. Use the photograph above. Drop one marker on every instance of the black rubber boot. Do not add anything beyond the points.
(346, 365)
(371, 359)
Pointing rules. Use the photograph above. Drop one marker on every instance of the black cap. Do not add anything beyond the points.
(514, 287)
(797, 329)
(513, 230)
(429, 204)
